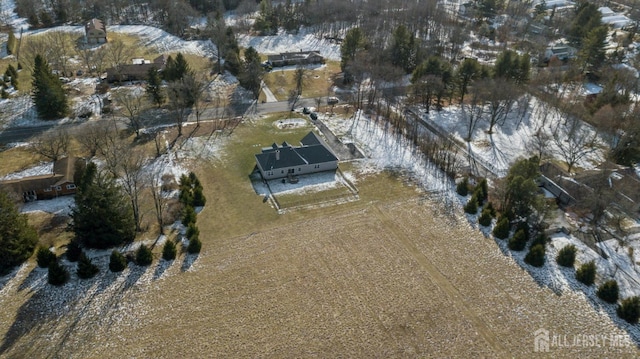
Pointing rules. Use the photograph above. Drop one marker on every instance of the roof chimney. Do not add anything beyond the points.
(277, 155)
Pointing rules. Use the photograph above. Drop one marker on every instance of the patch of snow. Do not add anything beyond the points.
(290, 123)
(41, 169)
(283, 42)
(60, 206)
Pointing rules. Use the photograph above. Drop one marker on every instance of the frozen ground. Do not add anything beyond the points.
(283, 42)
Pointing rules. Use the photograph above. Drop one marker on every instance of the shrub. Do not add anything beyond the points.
(86, 269)
(117, 262)
(194, 245)
(45, 257)
(188, 215)
(472, 206)
(144, 257)
(480, 195)
(629, 309)
(169, 251)
(58, 275)
(501, 230)
(483, 189)
(524, 227)
(462, 188)
(485, 218)
(566, 256)
(535, 257)
(192, 231)
(608, 291)
(518, 241)
(73, 251)
(587, 273)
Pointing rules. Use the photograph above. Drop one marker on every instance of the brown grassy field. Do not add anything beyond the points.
(316, 81)
(391, 275)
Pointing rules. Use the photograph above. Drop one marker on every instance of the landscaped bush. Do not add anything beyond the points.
(608, 291)
(199, 199)
(58, 275)
(73, 251)
(535, 257)
(86, 269)
(629, 309)
(483, 190)
(518, 241)
(45, 257)
(524, 227)
(587, 273)
(144, 257)
(472, 206)
(566, 256)
(485, 218)
(501, 230)
(462, 188)
(117, 262)
(169, 251)
(194, 245)
(188, 215)
(489, 207)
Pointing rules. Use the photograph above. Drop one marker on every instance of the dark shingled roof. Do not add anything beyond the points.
(312, 151)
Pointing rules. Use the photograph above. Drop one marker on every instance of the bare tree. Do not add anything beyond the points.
(500, 97)
(91, 135)
(180, 102)
(93, 59)
(197, 85)
(52, 145)
(131, 104)
(118, 53)
(130, 169)
(473, 110)
(155, 185)
(576, 142)
(61, 49)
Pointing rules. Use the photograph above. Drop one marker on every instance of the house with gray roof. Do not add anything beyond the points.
(295, 58)
(280, 161)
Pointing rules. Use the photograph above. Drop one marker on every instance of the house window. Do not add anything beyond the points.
(282, 171)
(299, 169)
(48, 189)
(58, 188)
(71, 186)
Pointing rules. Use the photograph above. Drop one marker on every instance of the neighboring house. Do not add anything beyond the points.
(617, 21)
(136, 71)
(95, 32)
(295, 58)
(279, 161)
(58, 183)
(560, 51)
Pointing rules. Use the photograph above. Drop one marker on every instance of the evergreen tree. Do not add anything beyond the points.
(404, 48)
(169, 72)
(566, 256)
(169, 251)
(144, 257)
(485, 218)
(518, 241)
(199, 200)
(182, 66)
(192, 231)
(468, 71)
(154, 87)
(117, 262)
(102, 216)
(188, 215)
(252, 72)
(472, 205)
(73, 251)
(45, 257)
(194, 245)
(48, 95)
(86, 269)
(462, 188)
(629, 309)
(535, 257)
(12, 43)
(17, 238)
(501, 230)
(587, 273)
(608, 291)
(592, 54)
(354, 41)
(58, 275)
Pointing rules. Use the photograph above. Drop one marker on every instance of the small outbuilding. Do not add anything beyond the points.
(280, 161)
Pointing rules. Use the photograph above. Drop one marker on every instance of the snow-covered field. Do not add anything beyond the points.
(283, 42)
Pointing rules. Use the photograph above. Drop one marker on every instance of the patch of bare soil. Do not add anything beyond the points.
(384, 280)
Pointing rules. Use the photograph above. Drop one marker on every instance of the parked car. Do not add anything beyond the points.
(332, 100)
(306, 111)
(313, 116)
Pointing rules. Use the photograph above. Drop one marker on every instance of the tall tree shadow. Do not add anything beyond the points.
(188, 261)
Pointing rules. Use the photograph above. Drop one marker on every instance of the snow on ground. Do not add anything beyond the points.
(9, 16)
(311, 183)
(61, 206)
(515, 138)
(290, 123)
(283, 42)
